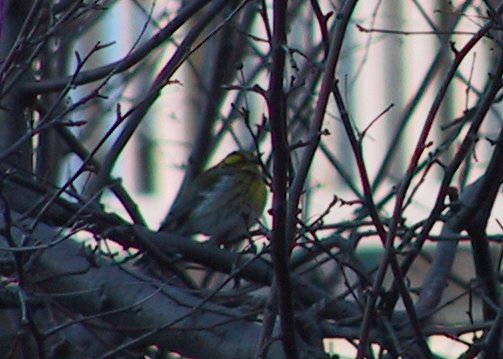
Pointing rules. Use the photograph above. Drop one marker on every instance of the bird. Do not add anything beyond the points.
(223, 202)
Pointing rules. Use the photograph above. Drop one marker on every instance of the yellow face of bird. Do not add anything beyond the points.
(242, 159)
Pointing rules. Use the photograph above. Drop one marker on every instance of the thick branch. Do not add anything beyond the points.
(147, 311)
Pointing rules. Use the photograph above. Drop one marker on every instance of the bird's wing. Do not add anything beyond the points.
(194, 196)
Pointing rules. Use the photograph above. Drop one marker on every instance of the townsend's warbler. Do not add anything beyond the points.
(223, 202)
